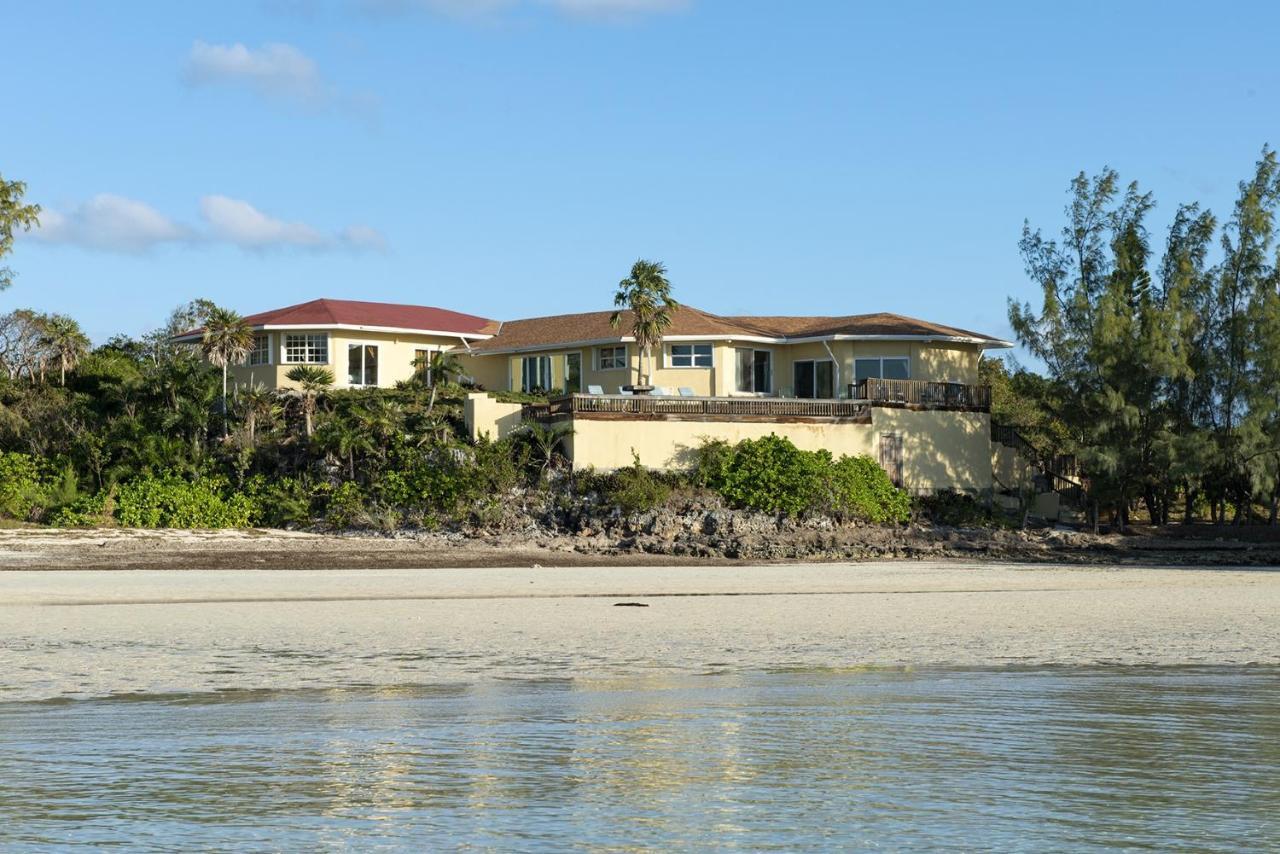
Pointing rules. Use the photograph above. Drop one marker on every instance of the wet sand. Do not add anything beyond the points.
(85, 633)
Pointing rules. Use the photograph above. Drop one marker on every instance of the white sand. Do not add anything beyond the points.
(80, 633)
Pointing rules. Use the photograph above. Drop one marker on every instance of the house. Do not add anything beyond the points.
(902, 390)
(364, 344)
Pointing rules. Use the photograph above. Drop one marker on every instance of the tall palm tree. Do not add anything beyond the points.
(312, 382)
(646, 294)
(65, 341)
(227, 340)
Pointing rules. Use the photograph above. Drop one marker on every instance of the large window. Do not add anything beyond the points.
(755, 371)
(882, 368)
(611, 358)
(690, 355)
(814, 378)
(261, 352)
(306, 349)
(362, 365)
(535, 374)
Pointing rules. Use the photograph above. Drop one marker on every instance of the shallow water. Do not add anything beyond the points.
(1067, 758)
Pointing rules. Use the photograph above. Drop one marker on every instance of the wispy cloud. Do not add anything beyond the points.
(612, 11)
(274, 70)
(278, 72)
(111, 223)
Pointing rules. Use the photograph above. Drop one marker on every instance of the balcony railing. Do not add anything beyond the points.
(655, 406)
(922, 393)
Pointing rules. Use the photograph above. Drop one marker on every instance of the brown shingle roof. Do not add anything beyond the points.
(594, 326)
(563, 329)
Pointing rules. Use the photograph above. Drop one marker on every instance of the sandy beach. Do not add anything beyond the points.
(87, 633)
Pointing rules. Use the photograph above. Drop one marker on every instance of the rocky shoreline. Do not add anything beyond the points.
(685, 536)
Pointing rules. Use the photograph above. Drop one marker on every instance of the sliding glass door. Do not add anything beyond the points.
(362, 365)
(814, 378)
(755, 371)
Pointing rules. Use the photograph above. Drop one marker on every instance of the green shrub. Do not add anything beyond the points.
(346, 505)
(170, 501)
(773, 475)
(91, 511)
(22, 491)
(280, 502)
(636, 489)
(959, 510)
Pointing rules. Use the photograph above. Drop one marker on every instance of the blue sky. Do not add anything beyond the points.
(513, 157)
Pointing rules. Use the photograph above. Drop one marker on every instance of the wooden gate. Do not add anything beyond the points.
(891, 456)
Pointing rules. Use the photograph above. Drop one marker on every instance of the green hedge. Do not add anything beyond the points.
(773, 475)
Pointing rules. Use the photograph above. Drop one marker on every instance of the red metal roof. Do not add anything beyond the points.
(330, 312)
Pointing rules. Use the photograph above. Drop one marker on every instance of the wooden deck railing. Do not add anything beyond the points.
(695, 407)
(923, 393)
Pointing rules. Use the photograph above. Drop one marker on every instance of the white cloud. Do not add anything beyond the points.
(275, 70)
(238, 222)
(111, 223)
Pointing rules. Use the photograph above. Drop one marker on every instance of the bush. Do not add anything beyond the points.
(346, 505)
(773, 475)
(636, 489)
(280, 502)
(91, 511)
(21, 486)
(959, 511)
(170, 501)
(30, 488)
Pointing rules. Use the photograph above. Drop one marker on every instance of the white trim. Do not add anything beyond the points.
(773, 372)
(667, 356)
(268, 363)
(328, 350)
(626, 357)
(362, 344)
(464, 337)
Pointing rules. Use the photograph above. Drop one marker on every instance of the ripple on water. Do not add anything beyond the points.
(795, 758)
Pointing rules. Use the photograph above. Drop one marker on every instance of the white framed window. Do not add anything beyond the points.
(572, 373)
(306, 349)
(882, 368)
(611, 358)
(261, 352)
(690, 356)
(535, 374)
(362, 365)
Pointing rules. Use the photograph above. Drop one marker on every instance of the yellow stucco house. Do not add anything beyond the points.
(902, 390)
(364, 344)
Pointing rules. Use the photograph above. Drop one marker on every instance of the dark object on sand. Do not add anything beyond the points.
(630, 605)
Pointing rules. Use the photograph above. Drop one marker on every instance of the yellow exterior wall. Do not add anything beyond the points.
(485, 416)
(395, 357)
(668, 444)
(940, 449)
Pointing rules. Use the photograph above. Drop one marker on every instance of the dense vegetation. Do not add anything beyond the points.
(1162, 365)
(133, 433)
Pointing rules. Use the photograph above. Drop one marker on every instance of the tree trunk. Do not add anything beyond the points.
(1275, 508)
(226, 431)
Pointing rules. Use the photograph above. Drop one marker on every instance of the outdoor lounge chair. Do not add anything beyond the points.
(595, 389)
(685, 391)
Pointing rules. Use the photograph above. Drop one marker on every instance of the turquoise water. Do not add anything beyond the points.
(1140, 759)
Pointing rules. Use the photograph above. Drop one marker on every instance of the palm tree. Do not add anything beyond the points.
(646, 293)
(312, 382)
(65, 341)
(343, 439)
(546, 439)
(227, 340)
(438, 368)
(258, 405)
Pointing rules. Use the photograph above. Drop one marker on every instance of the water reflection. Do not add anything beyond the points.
(1029, 760)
